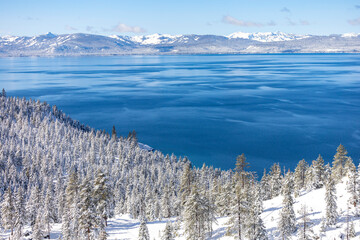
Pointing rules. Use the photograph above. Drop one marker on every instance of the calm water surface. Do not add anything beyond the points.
(273, 108)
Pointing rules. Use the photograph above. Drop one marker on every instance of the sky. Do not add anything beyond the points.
(143, 17)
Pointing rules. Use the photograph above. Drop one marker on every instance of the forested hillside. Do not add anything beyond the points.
(54, 170)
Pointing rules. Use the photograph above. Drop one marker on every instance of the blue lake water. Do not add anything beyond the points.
(273, 108)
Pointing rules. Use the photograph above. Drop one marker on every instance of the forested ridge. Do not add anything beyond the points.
(55, 170)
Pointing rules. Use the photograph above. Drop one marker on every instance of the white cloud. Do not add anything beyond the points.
(121, 27)
(354, 21)
(231, 20)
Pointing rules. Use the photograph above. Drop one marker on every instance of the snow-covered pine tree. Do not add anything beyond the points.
(299, 176)
(319, 172)
(194, 215)
(168, 233)
(20, 212)
(37, 233)
(338, 163)
(87, 217)
(352, 187)
(305, 231)
(72, 205)
(33, 204)
(143, 230)
(102, 198)
(265, 186)
(240, 168)
(48, 217)
(238, 212)
(331, 206)
(8, 211)
(275, 180)
(255, 229)
(287, 222)
(185, 183)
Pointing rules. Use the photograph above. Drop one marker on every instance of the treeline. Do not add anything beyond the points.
(55, 170)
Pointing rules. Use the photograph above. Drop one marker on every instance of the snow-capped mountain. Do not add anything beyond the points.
(237, 43)
(268, 36)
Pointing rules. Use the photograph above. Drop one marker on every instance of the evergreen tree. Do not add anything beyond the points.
(72, 206)
(113, 133)
(37, 233)
(87, 210)
(240, 168)
(185, 183)
(287, 223)
(339, 161)
(352, 187)
(194, 215)
(304, 231)
(275, 180)
(238, 213)
(319, 172)
(255, 229)
(3, 93)
(143, 230)
(20, 211)
(8, 211)
(299, 176)
(168, 232)
(102, 198)
(331, 206)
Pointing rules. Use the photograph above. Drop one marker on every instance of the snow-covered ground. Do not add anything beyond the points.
(123, 227)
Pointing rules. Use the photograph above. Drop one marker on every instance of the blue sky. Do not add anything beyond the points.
(139, 17)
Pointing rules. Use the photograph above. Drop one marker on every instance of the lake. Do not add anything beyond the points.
(274, 108)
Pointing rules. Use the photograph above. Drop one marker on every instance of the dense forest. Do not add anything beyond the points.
(56, 170)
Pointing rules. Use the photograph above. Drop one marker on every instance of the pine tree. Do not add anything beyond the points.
(339, 161)
(255, 229)
(113, 133)
(238, 213)
(319, 172)
(37, 233)
(185, 183)
(275, 180)
(168, 232)
(331, 206)
(352, 187)
(299, 176)
(8, 211)
(3, 94)
(143, 230)
(194, 215)
(87, 210)
(304, 231)
(240, 168)
(48, 216)
(72, 206)
(102, 198)
(33, 205)
(287, 223)
(20, 211)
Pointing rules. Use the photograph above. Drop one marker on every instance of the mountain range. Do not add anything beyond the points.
(80, 44)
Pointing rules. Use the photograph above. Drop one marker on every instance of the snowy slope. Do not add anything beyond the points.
(123, 227)
(267, 36)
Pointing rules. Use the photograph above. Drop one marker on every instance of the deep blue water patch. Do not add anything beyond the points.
(273, 108)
